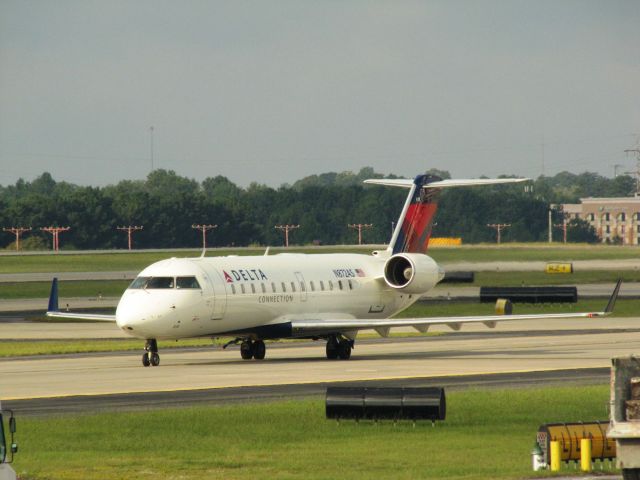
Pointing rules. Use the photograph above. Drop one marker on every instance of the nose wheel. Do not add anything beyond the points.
(151, 357)
(250, 349)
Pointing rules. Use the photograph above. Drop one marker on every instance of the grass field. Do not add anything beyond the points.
(84, 288)
(138, 260)
(488, 434)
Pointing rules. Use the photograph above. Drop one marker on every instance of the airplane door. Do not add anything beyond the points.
(219, 296)
(302, 285)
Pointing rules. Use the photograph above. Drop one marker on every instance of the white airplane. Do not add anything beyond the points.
(291, 295)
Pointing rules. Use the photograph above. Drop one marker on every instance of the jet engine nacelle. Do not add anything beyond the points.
(412, 272)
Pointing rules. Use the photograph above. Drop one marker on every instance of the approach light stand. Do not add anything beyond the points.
(359, 227)
(204, 229)
(130, 229)
(17, 231)
(563, 226)
(286, 229)
(499, 227)
(55, 231)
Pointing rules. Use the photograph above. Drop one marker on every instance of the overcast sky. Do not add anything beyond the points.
(271, 91)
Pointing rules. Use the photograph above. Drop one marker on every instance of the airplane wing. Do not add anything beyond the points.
(54, 311)
(319, 327)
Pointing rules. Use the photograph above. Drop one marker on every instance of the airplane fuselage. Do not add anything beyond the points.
(255, 296)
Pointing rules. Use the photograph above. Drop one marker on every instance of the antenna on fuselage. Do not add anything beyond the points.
(266, 252)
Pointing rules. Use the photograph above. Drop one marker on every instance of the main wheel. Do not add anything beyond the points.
(145, 359)
(344, 350)
(246, 350)
(631, 473)
(332, 349)
(155, 359)
(259, 350)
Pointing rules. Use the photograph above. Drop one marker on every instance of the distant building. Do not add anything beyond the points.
(611, 217)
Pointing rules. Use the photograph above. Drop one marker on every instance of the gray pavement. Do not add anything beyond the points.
(304, 363)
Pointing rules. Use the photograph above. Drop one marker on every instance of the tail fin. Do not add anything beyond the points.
(413, 229)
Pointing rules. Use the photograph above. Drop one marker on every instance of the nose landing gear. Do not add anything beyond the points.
(150, 357)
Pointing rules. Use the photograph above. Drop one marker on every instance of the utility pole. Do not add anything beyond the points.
(636, 173)
(17, 231)
(130, 229)
(55, 231)
(286, 229)
(550, 228)
(359, 227)
(204, 229)
(499, 227)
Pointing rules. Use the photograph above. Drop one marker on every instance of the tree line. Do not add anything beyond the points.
(167, 205)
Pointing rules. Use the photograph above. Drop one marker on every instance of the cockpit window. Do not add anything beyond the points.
(160, 282)
(139, 282)
(187, 282)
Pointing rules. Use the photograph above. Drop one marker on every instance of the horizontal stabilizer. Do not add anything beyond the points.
(469, 182)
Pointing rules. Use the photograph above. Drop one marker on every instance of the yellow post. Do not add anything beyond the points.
(554, 455)
(585, 454)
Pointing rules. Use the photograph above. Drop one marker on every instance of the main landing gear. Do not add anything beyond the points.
(150, 355)
(252, 349)
(339, 348)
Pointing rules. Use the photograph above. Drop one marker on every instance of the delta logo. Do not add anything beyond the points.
(248, 275)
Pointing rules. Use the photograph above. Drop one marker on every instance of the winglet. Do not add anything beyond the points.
(53, 296)
(613, 298)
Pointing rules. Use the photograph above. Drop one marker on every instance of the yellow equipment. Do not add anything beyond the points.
(559, 268)
(569, 436)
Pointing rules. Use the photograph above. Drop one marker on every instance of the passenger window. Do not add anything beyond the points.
(350, 285)
(340, 284)
(264, 289)
(233, 289)
(160, 282)
(139, 282)
(321, 285)
(242, 288)
(284, 287)
(293, 287)
(311, 285)
(330, 285)
(302, 289)
(253, 288)
(187, 282)
(273, 287)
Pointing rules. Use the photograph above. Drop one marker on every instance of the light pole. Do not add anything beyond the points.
(55, 231)
(129, 230)
(499, 227)
(286, 229)
(204, 229)
(17, 231)
(359, 227)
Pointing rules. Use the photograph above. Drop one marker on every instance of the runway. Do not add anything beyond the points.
(510, 350)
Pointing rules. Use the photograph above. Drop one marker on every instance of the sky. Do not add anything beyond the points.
(95, 92)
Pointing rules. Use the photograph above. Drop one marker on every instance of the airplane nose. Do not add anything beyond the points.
(131, 315)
